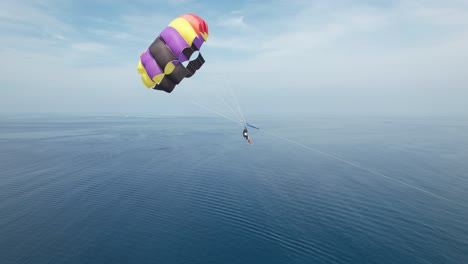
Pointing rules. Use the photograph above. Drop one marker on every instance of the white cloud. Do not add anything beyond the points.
(362, 53)
(229, 43)
(443, 16)
(89, 47)
(31, 18)
(233, 21)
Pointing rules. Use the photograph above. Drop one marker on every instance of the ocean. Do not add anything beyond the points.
(169, 189)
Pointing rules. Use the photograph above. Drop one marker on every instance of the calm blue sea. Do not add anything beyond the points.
(176, 190)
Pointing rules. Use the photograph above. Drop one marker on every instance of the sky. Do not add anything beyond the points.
(407, 57)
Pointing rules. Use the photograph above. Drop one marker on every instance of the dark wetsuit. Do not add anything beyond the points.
(246, 136)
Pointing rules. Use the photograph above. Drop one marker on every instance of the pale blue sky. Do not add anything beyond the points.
(324, 57)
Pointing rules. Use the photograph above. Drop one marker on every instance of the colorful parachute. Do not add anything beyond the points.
(161, 65)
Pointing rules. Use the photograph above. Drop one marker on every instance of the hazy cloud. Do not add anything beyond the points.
(394, 57)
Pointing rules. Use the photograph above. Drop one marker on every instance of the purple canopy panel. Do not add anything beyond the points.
(198, 42)
(175, 42)
(150, 64)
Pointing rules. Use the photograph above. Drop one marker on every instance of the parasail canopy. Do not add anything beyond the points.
(161, 65)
